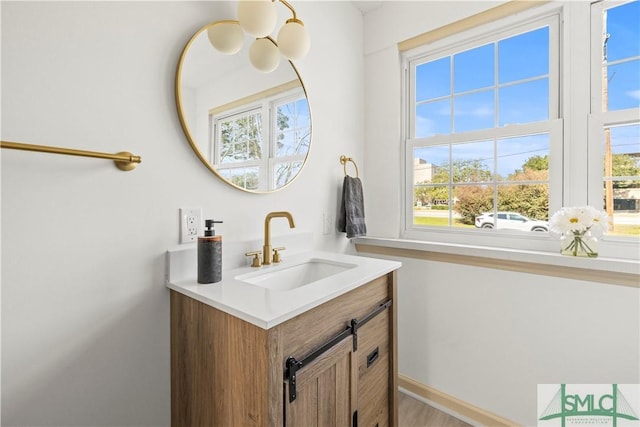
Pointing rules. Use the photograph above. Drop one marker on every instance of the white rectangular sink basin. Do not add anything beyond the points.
(290, 277)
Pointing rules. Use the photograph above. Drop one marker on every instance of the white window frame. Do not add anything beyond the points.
(274, 159)
(479, 36)
(598, 120)
(267, 107)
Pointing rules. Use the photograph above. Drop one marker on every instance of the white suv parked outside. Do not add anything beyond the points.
(510, 220)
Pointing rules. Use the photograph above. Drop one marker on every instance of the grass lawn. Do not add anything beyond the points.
(625, 230)
(619, 230)
(438, 222)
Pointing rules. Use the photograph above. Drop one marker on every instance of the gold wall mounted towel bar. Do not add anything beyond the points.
(343, 160)
(124, 160)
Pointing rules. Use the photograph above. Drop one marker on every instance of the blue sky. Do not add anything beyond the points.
(474, 82)
(623, 25)
(518, 80)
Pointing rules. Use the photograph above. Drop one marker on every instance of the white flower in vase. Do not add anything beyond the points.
(579, 226)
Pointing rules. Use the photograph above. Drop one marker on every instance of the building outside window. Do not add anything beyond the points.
(485, 126)
(483, 119)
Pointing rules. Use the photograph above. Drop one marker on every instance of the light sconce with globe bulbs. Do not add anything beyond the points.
(258, 19)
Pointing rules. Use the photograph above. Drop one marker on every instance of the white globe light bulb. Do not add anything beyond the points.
(264, 55)
(293, 39)
(226, 36)
(257, 17)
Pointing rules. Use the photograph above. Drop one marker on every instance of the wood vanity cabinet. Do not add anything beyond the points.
(228, 372)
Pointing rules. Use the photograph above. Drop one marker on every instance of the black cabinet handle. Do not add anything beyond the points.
(293, 365)
(372, 357)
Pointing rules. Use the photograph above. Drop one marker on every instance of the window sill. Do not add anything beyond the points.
(609, 271)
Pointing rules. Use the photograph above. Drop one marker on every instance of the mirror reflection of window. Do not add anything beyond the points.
(293, 130)
(240, 137)
(245, 177)
(251, 129)
(262, 145)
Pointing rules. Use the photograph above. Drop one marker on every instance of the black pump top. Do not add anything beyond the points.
(208, 227)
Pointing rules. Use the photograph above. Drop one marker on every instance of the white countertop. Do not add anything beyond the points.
(267, 308)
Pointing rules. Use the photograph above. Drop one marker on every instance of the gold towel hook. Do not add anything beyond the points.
(343, 160)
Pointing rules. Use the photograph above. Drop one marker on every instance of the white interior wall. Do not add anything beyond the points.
(487, 337)
(490, 337)
(85, 319)
(84, 310)
(225, 90)
(385, 27)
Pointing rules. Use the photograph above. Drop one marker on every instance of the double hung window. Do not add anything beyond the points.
(615, 114)
(484, 130)
(262, 145)
(521, 117)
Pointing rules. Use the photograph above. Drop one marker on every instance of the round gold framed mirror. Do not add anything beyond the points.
(251, 129)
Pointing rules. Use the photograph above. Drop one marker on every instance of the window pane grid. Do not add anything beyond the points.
(240, 138)
(246, 143)
(621, 178)
(615, 108)
(292, 128)
(476, 144)
(284, 172)
(245, 177)
(455, 183)
(474, 95)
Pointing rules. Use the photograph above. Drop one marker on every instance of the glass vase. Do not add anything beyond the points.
(581, 244)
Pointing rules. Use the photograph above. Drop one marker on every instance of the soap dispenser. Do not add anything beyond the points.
(210, 254)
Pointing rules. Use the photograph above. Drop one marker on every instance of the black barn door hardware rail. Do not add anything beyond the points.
(293, 365)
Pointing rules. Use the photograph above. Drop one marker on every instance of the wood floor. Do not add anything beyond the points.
(414, 413)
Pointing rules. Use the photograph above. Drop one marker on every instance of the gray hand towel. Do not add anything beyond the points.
(351, 215)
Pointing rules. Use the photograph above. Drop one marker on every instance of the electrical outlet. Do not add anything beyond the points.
(190, 224)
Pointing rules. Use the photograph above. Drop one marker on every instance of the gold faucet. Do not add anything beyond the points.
(267, 255)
